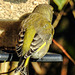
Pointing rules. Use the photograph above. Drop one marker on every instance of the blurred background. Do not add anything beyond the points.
(64, 20)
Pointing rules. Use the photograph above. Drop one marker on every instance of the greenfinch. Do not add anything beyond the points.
(35, 36)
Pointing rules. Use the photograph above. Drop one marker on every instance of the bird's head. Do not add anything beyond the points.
(44, 9)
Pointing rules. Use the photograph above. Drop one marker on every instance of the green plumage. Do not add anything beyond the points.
(38, 34)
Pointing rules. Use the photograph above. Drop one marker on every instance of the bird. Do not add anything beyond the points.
(35, 36)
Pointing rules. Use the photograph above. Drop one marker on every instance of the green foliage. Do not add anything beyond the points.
(60, 3)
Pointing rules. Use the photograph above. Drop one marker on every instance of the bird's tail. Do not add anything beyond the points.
(22, 66)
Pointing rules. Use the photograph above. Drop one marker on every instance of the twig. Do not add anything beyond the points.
(58, 19)
(64, 51)
(4, 67)
(64, 66)
(71, 3)
(37, 68)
